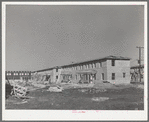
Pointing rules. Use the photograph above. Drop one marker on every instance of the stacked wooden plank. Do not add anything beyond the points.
(19, 91)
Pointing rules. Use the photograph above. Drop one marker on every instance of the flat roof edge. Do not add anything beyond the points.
(100, 59)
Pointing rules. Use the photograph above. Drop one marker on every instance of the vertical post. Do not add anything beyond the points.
(140, 62)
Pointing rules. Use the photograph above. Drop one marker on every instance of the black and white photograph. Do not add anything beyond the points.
(74, 60)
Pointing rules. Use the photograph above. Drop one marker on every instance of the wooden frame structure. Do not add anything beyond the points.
(136, 73)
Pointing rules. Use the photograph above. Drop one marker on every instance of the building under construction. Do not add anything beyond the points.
(137, 73)
(113, 69)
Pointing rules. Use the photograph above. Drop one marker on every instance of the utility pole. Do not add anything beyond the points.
(139, 61)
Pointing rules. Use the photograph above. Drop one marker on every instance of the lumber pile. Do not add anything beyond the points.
(19, 91)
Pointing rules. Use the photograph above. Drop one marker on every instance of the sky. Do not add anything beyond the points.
(40, 37)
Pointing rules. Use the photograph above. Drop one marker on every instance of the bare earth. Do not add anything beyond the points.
(129, 97)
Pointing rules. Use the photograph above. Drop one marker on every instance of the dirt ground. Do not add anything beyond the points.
(121, 98)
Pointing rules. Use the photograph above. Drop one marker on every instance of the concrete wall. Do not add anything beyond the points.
(121, 66)
(57, 74)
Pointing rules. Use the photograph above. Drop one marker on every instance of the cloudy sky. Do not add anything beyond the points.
(39, 37)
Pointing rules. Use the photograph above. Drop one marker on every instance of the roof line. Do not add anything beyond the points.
(137, 66)
(104, 58)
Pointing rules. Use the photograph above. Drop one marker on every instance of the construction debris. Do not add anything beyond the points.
(22, 102)
(55, 89)
(39, 85)
(92, 90)
(83, 90)
(19, 91)
(100, 85)
(96, 90)
(140, 86)
(100, 99)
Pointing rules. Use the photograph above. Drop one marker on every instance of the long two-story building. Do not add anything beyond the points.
(113, 69)
(18, 75)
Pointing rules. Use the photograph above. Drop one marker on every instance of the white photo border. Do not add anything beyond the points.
(68, 114)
